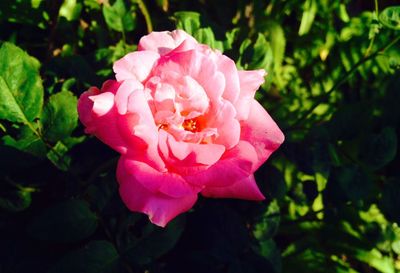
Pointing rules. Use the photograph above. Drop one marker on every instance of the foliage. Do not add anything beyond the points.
(332, 189)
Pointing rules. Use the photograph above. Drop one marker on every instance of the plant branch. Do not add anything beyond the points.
(344, 79)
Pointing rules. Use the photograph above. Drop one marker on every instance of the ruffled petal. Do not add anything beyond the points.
(135, 65)
(160, 208)
(163, 42)
(123, 93)
(236, 164)
(194, 153)
(250, 81)
(228, 127)
(262, 132)
(244, 189)
(138, 129)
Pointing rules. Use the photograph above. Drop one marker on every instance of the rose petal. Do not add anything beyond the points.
(160, 207)
(228, 68)
(99, 115)
(194, 153)
(85, 106)
(250, 81)
(123, 93)
(262, 132)
(235, 165)
(244, 189)
(135, 65)
(164, 41)
(228, 127)
(152, 179)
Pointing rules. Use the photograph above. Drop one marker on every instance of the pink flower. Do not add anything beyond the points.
(185, 121)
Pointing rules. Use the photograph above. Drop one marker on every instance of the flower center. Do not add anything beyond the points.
(192, 125)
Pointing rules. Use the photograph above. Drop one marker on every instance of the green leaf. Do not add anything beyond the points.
(60, 116)
(21, 90)
(69, 221)
(118, 17)
(188, 21)
(27, 141)
(257, 56)
(310, 10)
(15, 200)
(70, 10)
(277, 40)
(374, 258)
(57, 155)
(270, 251)
(268, 225)
(390, 17)
(354, 182)
(379, 149)
(95, 257)
(206, 36)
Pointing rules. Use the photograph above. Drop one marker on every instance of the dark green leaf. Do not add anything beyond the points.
(95, 257)
(60, 116)
(69, 221)
(155, 242)
(379, 149)
(15, 200)
(353, 181)
(21, 90)
(27, 141)
(57, 155)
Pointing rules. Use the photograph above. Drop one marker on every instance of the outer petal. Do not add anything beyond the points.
(99, 114)
(164, 41)
(262, 132)
(244, 189)
(168, 183)
(250, 81)
(235, 165)
(160, 207)
(135, 65)
(228, 68)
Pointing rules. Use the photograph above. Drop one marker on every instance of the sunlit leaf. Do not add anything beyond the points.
(390, 17)
(60, 116)
(118, 17)
(310, 10)
(21, 90)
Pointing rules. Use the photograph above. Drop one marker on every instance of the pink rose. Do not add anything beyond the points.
(185, 121)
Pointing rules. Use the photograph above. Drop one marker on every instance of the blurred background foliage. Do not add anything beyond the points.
(333, 188)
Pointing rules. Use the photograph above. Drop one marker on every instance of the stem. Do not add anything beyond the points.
(124, 40)
(146, 15)
(371, 43)
(344, 79)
